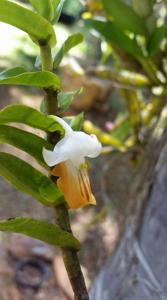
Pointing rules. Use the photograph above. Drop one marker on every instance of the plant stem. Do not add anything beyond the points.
(70, 256)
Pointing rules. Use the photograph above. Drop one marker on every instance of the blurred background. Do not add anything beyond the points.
(122, 67)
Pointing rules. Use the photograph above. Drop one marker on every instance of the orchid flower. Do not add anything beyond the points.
(68, 162)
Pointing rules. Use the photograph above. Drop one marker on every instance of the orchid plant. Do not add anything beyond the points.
(62, 154)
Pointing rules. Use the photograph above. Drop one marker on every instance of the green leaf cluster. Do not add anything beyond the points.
(127, 28)
(19, 173)
(28, 179)
(37, 23)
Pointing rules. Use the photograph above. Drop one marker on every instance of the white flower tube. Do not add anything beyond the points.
(68, 160)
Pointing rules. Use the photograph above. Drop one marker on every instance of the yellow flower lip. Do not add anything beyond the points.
(74, 184)
(68, 160)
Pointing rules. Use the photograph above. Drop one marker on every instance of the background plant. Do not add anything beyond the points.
(133, 39)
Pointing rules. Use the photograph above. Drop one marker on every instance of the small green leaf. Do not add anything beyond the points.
(76, 122)
(27, 115)
(65, 99)
(28, 180)
(124, 16)
(155, 40)
(40, 79)
(35, 25)
(72, 41)
(26, 141)
(41, 230)
(114, 35)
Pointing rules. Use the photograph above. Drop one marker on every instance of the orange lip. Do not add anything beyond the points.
(74, 184)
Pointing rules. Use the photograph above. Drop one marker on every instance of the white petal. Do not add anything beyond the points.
(74, 147)
(87, 145)
(51, 158)
(67, 128)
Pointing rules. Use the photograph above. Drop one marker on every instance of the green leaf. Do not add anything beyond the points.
(35, 25)
(124, 16)
(41, 230)
(44, 8)
(76, 122)
(72, 41)
(26, 141)
(23, 114)
(114, 35)
(65, 99)
(155, 40)
(40, 79)
(29, 180)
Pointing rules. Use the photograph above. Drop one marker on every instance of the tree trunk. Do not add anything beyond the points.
(138, 268)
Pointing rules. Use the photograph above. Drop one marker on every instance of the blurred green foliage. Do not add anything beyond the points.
(133, 40)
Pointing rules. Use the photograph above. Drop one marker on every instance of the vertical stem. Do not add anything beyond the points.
(46, 58)
(70, 256)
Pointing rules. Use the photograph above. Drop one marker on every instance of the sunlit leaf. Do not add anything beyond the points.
(26, 141)
(27, 115)
(41, 230)
(29, 180)
(35, 25)
(40, 79)
(124, 16)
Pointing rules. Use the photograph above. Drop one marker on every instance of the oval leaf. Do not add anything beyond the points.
(27, 115)
(72, 41)
(26, 141)
(29, 180)
(41, 230)
(36, 26)
(124, 16)
(40, 79)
